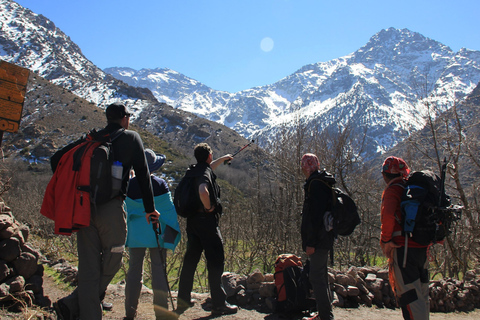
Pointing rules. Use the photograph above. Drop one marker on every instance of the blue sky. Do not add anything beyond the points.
(234, 45)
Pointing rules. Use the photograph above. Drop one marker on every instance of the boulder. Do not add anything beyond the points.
(16, 284)
(9, 249)
(267, 289)
(255, 277)
(25, 265)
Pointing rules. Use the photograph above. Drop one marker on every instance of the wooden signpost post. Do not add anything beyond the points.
(13, 86)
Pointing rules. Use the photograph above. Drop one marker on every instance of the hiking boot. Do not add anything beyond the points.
(317, 317)
(62, 311)
(107, 306)
(182, 306)
(225, 309)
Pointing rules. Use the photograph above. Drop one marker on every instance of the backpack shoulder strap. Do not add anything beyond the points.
(328, 185)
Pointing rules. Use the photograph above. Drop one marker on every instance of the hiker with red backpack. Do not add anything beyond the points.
(317, 236)
(408, 270)
(101, 244)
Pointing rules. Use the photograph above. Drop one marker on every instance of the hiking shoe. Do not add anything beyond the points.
(62, 311)
(317, 317)
(225, 309)
(107, 306)
(182, 306)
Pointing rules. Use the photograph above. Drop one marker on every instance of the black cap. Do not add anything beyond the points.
(116, 111)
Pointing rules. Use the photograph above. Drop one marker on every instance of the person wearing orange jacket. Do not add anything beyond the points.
(409, 280)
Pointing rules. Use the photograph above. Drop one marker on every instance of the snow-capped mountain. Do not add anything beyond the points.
(382, 86)
(32, 41)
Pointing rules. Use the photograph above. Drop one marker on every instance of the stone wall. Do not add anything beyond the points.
(21, 277)
(357, 286)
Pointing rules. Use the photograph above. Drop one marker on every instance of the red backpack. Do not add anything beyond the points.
(82, 177)
(291, 281)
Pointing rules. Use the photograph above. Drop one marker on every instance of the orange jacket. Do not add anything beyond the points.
(391, 214)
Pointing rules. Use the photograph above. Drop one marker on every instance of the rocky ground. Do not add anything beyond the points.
(200, 311)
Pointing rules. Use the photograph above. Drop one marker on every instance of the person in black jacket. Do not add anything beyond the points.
(316, 231)
(100, 246)
(203, 234)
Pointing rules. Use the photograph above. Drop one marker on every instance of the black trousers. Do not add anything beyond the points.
(203, 235)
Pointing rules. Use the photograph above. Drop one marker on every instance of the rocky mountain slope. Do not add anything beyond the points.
(66, 94)
(380, 90)
(382, 87)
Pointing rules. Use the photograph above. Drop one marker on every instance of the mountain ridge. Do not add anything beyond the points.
(381, 89)
(388, 74)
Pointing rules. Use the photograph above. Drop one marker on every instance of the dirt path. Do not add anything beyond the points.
(115, 295)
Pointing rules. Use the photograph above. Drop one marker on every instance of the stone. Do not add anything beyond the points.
(340, 290)
(16, 284)
(338, 300)
(5, 221)
(255, 277)
(371, 277)
(229, 281)
(267, 289)
(35, 283)
(331, 277)
(25, 265)
(9, 249)
(383, 274)
(269, 277)
(352, 291)
(7, 232)
(4, 270)
(345, 280)
(4, 290)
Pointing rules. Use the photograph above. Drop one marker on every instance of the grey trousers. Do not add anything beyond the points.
(100, 248)
(412, 283)
(319, 280)
(135, 281)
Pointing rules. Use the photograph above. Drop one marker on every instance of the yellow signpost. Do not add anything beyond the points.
(13, 86)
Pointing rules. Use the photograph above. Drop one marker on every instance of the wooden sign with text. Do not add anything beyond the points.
(13, 85)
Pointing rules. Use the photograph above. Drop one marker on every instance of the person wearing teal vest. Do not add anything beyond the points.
(140, 236)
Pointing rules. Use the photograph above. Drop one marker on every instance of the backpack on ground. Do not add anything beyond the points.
(344, 217)
(292, 285)
(427, 213)
(82, 177)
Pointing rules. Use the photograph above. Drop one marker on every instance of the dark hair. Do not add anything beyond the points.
(391, 176)
(202, 151)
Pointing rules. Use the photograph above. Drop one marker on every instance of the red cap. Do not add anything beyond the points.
(395, 165)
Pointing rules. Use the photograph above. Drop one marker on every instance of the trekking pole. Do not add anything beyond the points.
(157, 230)
(442, 182)
(233, 155)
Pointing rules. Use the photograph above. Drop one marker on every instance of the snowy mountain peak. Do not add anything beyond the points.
(390, 75)
(381, 87)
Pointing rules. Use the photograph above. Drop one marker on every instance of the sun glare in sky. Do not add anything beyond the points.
(266, 44)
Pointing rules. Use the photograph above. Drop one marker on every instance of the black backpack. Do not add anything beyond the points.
(425, 208)
(185, 198)
(345, 212)
(292, 285)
